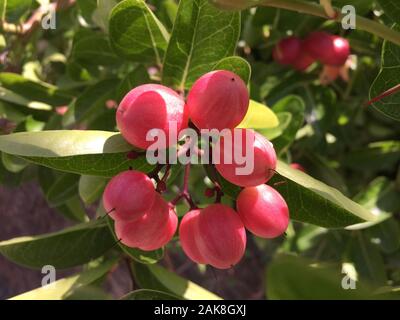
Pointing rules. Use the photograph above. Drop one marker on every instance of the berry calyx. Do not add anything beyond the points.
(257, 154)
(214, 235)
(147, 107)
(218, 100)
(263, 211)
(152, 231)
(327, 48)
(209, 192)
(128, 195)
(287, 50)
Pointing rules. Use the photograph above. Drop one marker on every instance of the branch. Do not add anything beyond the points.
(314, 9)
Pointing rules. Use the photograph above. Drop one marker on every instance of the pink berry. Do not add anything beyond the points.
(287, 50)
(147, 107)
(188, 233)
(263, 211)
(327, 48)
(260, 157)
(304, 60)
(221, 237)
(152, 231)
(129, 195)
(218, 100)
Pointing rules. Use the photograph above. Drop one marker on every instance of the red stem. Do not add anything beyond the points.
(185, 191)
(384, 94)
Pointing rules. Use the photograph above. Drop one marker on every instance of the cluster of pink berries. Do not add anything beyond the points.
(329, 49)
(216, 234)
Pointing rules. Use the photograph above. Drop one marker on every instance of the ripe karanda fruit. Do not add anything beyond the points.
(329, 49)
(291, 51)
(287, 50)
(303, 61)
(152, 231)
(128, 195)
(257, 151)
(218, 100)
(214, 235)
(263, 211)
(147, 107)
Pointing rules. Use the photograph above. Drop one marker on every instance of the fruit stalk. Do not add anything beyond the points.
(314, 9)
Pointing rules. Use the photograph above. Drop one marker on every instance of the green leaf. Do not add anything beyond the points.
(381, 198)
(237, 65)
(295, 278)
(157, 278)
(98, 153)
(367, 260)
(201, 37)
(294, 105)
(102, 165)
(259, 116)
(9, 96)
(16, 8)
(102, 12)
(94, 50)
(13, 163)
(145, 257)
(284, 119)
(310, 200)
(91, 188)
(135, 32)
(314, 202)
(386, 235)
(3, 6)
(34, 91)
(67, 248)
(93, 100)
(387, 79)
(391, 9)
(73, 210)
(380, 155)
(146, 294)
(63, 189)
(61, 289)
(133, 79)
(63, 143)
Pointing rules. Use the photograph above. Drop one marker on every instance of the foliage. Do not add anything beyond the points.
(58, 92)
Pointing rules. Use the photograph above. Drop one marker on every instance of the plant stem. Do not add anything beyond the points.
(186, 178)
(314, 9)
(185, 194)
